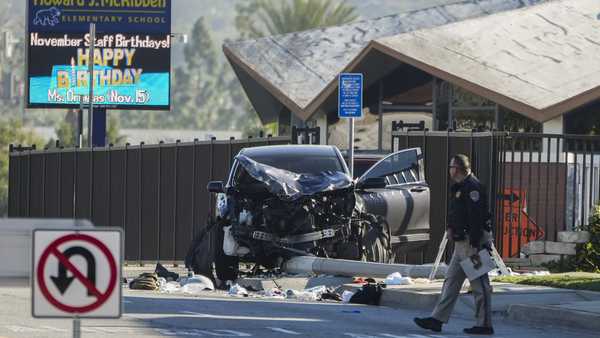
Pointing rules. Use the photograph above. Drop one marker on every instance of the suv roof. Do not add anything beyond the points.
(314, 150)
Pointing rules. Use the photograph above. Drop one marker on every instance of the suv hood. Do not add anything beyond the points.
(290, 186)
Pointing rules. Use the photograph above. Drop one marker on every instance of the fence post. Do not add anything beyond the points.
(158, 196)
(75, 176)
(194, 184)
(29, 181)
(140, 172)
(92, 183)
(125, 173)
(59, 180)
(44, 154)
(175, 225)
(294, 135)
(108, 178)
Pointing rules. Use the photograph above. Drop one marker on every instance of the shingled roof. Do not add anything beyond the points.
(541, 62)
(294, 70)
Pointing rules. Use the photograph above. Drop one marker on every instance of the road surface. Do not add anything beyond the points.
(218, 315)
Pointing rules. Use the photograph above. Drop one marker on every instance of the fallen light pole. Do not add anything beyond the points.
(341, 267)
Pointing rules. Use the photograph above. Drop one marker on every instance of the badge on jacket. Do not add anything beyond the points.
(458, 194)
(474, 195)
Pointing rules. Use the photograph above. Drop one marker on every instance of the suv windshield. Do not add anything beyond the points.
(301, 164)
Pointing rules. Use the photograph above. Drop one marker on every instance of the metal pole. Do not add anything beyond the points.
(351, 146)
(91, 83)
(76, 327)
(380, 114)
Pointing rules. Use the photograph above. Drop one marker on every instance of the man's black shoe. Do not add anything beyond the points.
(429, 324)
(479, 330)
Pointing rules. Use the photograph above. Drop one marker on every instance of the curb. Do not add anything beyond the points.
(555, 316)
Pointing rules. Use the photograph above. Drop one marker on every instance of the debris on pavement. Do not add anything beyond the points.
(202, 282)
(370, 294)
(169, 287)
(237, 290)
(161, 271)
(145, 281)
(397, 279)
(346, 296)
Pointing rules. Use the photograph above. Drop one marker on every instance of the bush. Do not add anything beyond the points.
(588, 254)
(587, 258)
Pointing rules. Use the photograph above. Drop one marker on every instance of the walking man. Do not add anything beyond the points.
(470, 229)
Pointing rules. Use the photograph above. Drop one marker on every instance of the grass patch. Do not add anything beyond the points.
(575, 281)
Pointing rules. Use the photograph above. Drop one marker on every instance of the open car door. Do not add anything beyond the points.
(404, 201)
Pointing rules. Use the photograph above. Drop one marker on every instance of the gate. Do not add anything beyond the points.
(537, 184)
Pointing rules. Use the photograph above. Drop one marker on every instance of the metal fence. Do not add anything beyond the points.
(537, 184)
(155, 193)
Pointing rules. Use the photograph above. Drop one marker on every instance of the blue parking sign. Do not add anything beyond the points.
(350, 95)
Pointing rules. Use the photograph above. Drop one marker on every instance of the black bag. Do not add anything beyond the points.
(370, 294)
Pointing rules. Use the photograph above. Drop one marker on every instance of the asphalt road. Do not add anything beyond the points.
(152, 315)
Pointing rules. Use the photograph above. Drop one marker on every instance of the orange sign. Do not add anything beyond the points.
(517, 225)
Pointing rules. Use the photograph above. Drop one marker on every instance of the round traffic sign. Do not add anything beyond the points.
(101, 297)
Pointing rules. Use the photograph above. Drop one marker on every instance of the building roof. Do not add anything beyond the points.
(293, 70)
(540, 61)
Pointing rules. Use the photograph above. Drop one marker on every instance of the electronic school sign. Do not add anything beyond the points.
(132, 54)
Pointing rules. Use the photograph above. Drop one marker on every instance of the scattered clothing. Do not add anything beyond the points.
(161, 271)
(145, 281)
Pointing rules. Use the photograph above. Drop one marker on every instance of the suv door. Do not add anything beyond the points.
(404, 202)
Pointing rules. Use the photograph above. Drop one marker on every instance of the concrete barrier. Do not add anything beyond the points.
(16, 241)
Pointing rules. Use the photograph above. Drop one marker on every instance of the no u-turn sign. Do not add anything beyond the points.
(76, 273)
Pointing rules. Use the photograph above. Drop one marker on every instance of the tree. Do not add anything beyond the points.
(11, 132)
(200, 98)
(258, 18)
(66, 131)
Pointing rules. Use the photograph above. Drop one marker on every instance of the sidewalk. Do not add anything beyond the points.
(583, 315)
(530, 304)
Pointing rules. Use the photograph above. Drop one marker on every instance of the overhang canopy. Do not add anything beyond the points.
(541, 61)
(295, 70)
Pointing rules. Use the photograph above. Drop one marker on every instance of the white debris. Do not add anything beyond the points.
(421, 281)
(301, 295)
(346, 296)
(170, 287)
(274, 293)
(397, 279)
(198, 279)
(542, 273)
(237, 290)
(317, 290)
(194, 288)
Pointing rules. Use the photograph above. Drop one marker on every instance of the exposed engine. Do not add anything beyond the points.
(267, 229)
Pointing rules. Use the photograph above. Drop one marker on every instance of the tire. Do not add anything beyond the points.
(377, 243)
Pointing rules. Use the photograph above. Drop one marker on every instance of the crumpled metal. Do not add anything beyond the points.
(290, 186)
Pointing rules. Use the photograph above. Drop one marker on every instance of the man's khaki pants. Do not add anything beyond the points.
(455, 278)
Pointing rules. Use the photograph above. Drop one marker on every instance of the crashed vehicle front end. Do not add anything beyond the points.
(270, 214)
(285, 201)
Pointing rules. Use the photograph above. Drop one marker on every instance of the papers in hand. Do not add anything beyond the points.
(478, 265)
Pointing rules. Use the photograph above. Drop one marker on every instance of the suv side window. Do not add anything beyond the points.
(399, 168)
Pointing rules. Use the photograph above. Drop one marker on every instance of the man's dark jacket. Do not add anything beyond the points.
(468, 214)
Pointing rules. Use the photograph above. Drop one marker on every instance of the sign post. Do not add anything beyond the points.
(350, 103)
(77, 274)
(91, 83)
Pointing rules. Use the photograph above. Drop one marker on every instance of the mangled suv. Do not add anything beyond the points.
(285, 201)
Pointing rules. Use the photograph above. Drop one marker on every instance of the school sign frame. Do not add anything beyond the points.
(132, 54)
